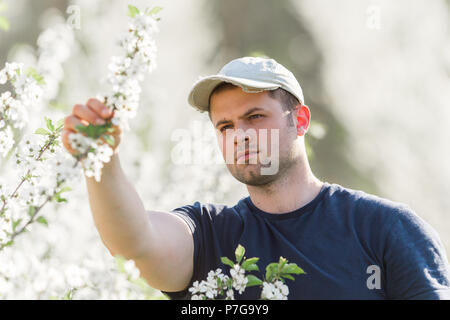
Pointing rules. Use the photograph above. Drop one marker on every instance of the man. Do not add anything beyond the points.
(352, 245)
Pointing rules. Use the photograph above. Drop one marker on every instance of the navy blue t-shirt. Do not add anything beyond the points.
(342, 239)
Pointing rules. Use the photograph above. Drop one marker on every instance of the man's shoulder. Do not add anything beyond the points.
(366, 203)
(209, 211)
(379, 218)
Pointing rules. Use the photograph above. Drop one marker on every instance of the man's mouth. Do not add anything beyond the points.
(244, 156)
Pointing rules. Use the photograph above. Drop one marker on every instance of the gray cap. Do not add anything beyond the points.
(252, 74)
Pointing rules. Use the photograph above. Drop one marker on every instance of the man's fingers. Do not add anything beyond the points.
(71, 123)
(94, 112)
(85, 113)
(99, 108)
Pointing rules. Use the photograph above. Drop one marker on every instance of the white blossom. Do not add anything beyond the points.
(274, 291)
(13, 107)
(230, 294)
(131, 270)
(54, 48)
(96, 152)
(10, 71)
(6, 141)
(209, 288)
(239, 278)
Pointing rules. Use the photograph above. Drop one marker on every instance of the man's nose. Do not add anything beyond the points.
(245, 138)
(241, 137)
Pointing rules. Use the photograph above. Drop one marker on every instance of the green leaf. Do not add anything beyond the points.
(4, 24)
(42, 220)
(253, 281)
(82, 128)
(120, 263)
(250, 264)
(155, 10)
(68, 295)
(59, 199)
(252, 267)
(92, 131)
(227, 262)
(65, 189)
(60, 122)
(109, 139)
(292, 268)
(271, 270)
(59, 125)
(288, 277)
(31, 210)
(50, 125)
(15, 224)
(239, 252)
(42, 131)
(31, 72)
(132, 11)
(9, 243)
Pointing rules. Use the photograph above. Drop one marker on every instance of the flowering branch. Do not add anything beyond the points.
(218, 285)
(27, 91)
(126, 74)
(11, 232)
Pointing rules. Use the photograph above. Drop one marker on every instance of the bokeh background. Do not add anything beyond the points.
(375, 74)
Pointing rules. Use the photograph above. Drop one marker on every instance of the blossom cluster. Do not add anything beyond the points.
(126, 72)
(273, 287)
(215, 284)
(28, 274)
(96, 153)
(54, 48)
(239, 279)
(26, 91)
(41, 170)
(274, 291)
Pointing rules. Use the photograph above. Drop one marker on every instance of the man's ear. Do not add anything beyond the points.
(303, 116)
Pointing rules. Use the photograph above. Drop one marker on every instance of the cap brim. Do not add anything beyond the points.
(202, 89)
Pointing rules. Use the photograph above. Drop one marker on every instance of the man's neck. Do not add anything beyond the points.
(293, 190)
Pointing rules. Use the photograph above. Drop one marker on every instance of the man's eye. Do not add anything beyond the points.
(255, 116)
(225, 127)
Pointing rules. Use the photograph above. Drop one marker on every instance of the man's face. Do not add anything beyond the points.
(268, 149)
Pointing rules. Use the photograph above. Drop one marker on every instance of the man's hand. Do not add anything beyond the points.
(93, 112)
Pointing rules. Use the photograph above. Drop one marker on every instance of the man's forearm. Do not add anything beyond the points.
(118, 211)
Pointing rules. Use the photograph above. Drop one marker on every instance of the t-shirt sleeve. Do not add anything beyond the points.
(206, 224)
(415, 260)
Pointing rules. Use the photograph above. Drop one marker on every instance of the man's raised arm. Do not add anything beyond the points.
(160, 243)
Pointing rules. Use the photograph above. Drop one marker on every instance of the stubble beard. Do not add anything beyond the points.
(250, 174)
